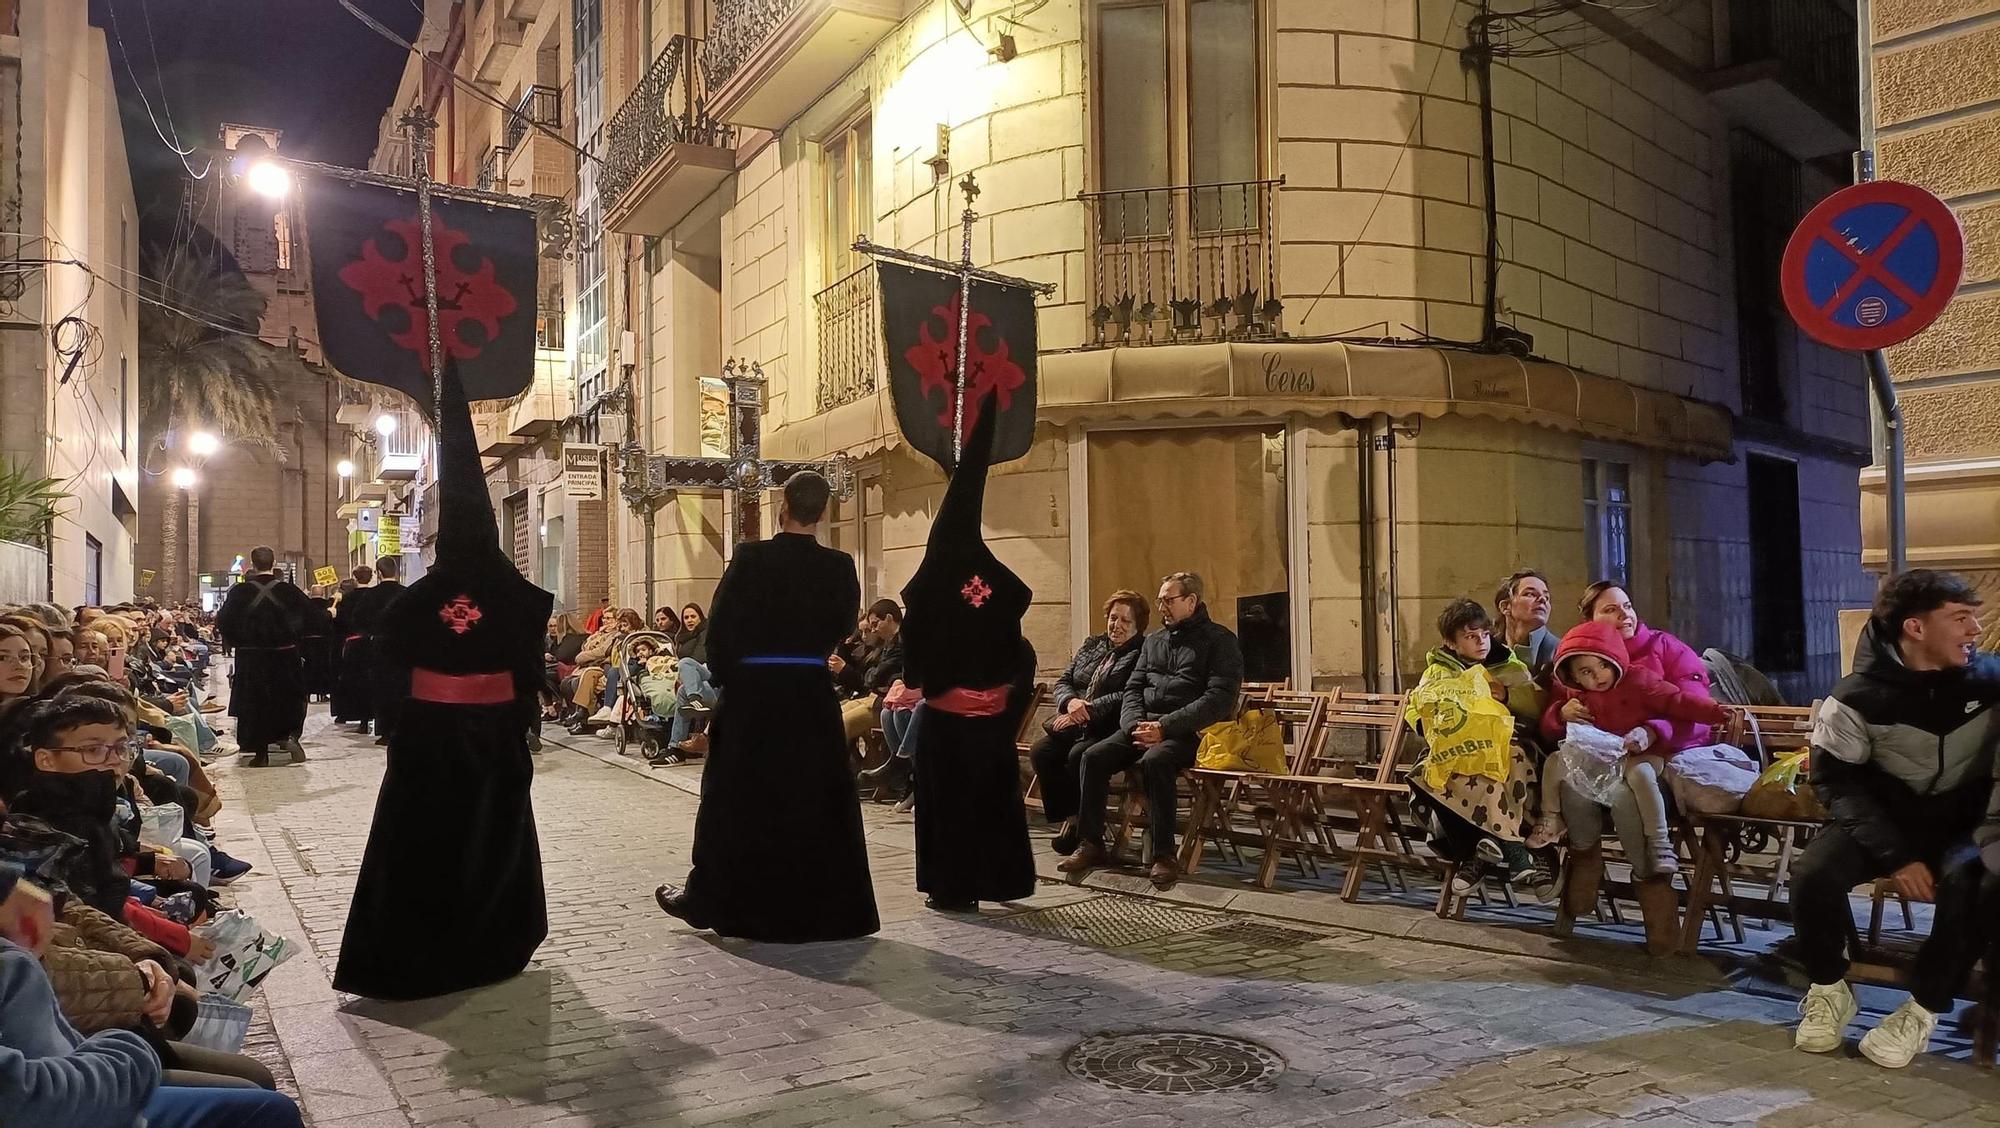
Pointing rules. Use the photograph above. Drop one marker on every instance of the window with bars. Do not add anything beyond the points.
(1607, 519)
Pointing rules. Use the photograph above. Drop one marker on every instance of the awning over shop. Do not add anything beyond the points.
(1319, 380)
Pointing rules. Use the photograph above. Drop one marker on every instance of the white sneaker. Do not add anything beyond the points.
(1902, 1036)
(603, 716)
(1827, 1008)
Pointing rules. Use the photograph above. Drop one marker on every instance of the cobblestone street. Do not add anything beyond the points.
(629, 1019)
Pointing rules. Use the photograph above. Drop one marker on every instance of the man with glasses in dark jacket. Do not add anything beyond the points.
(1189, 676)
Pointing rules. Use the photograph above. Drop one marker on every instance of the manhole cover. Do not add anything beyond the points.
(1174, 1062)
(1264, 935)
(1110, 922)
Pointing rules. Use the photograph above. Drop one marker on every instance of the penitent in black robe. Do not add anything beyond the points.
(778, 848)
(450, 891)
(354, 689)
(962, 631)
(264, 620)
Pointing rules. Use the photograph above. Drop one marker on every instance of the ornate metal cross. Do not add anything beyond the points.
(745, 470)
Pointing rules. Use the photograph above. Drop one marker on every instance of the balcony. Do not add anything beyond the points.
(1193, 263)
(492, 168)
(667, 152)
(525, 10)
(850, 339)
(767, 60)
(400, 453)
(539, 105)
(1792, 74)
(495, 40)
(529, 417)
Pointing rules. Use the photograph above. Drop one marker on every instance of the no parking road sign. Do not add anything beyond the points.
(1873, 265)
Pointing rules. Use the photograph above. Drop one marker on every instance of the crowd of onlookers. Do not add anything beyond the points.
(114, 936)
(613, 668)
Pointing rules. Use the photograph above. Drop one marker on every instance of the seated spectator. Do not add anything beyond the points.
(1523, 604)
(587, 690)
(882, 628)
(696, 688)
(17, 665)
(53, 1076)
(1475, 825)
(1189, 675)
(37, 634)
(1636, 806)
(1089, 700)
(1902, 757)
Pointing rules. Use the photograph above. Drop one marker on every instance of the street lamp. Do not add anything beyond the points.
(385, 425)
(183, 478)
(269, 179)
(344, 468)
(202, 444)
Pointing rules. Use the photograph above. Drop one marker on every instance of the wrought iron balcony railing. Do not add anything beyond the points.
(1812, 40)
(850, 339)
(493, 167)
(669, 107)
(539, 105)
(735, 32)
(1190, 263)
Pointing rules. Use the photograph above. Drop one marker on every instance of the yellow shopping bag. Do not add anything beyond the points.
(1468, 732)
(1784, 791)
(1250, 743)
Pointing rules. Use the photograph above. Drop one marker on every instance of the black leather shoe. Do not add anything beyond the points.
(1065, 843)
(937, 906)
(259, 759)
(673, 901)
(893, 773)
(382, 739)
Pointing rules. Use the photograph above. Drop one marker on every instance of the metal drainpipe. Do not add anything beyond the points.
(1364, 478)
(1388, 441)
(650, 516)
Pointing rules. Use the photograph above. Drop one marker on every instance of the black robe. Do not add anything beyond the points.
(264, 619)
(778, 847)
(388, 674)
(962, 631)
(319, 647)
(353, 692)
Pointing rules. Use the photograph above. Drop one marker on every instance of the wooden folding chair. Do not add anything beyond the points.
(1218, 796)
(1040, 710)
(1360, 758)
(1771, 731)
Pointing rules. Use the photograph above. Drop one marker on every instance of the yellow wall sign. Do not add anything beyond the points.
(389, 542)
(145, 577)
(325, 577)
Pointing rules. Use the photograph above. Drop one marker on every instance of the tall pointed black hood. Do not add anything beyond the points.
(466, 525)
(964, 607)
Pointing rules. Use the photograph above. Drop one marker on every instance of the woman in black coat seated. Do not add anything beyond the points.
(1087, 697)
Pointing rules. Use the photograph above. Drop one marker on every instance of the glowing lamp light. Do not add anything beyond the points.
(344, 468)
(385, 425)
(269, 179)
(183, 478)
(202, 444)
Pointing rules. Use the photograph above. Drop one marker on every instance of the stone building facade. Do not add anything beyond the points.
(1933, 119)
(1340, 464)
(69, 336)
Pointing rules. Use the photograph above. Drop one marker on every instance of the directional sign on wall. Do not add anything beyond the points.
(1873, 265)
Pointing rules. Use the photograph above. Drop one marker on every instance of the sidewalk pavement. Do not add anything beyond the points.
(1380, 1016)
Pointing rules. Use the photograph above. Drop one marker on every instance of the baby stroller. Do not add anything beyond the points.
(641, 724)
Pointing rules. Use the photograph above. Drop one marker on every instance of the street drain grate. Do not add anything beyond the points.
(1110, 922)
(1174, 1062)
(1264, 935)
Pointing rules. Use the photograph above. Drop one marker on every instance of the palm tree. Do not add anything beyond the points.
(202, 367)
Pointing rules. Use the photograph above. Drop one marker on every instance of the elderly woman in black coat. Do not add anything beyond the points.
(1087, 699)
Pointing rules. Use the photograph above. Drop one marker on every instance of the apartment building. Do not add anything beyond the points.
(1286, 347)
(1933, 118)
(69, 337)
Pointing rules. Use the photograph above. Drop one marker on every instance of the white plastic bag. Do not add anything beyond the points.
(221, 1024)
(161, 825)
(1712, 779)
(244, 954)
(1595, 761)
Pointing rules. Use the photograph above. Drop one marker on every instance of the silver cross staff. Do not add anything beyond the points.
(965, 272)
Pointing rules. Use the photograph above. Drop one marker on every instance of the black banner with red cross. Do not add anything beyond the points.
(920, 337)
(368, 289)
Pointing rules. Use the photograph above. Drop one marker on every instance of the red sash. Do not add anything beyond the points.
(461, 689)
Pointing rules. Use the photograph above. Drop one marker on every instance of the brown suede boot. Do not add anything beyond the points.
(1659, 907)
(1583, 878)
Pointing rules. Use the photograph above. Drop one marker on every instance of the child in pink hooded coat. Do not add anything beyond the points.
(1657, 717)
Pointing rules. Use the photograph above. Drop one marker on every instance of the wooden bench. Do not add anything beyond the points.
(1771, 731)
